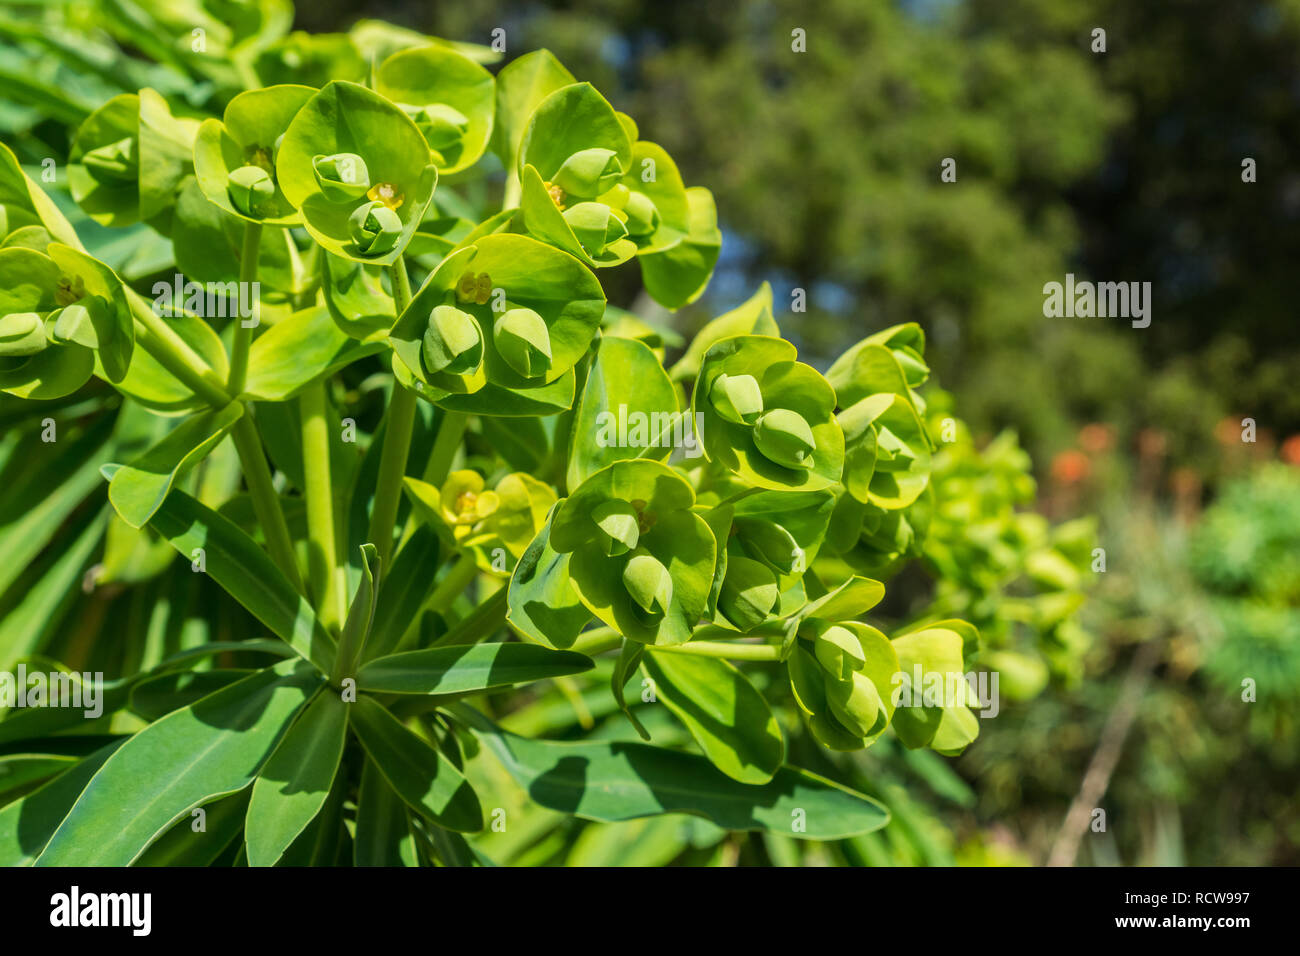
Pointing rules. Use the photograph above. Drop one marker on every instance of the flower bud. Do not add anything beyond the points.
(839, 651)
(22, 333)
(595, 225)
(442, 125)
(374, 228)
(75, 322)
(342, 177)
(648, 582)
(855, 703)
(749, 592)
(522, 339)
(588, 173)
(618, 523)
(642, 215)
(249, 189)
(771, 543)
(736, 398)
(119, 160)
(785, 438)
(452, 342)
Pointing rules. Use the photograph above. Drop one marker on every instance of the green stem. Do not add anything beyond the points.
(324, 573)
(601, 639)
(397, 439)
(486, 619)
(451, 429)
(453, 584)
(723, 649)
(266, 503)
(243, 338)
(175, 355)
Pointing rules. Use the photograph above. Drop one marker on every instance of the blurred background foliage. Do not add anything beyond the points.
(1116, 166)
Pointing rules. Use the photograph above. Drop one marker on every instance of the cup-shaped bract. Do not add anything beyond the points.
(246, 136)
(104, 163)
(795, 442)
(24, 205)
(448, 96)
(576, 150)
(348, 119)
(537, 309)
(60, 311)
(650, 583)
(843, 677)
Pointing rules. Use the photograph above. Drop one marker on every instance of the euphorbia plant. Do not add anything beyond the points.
(434, 233)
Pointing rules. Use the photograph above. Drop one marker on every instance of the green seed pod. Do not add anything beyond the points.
(619, 526)
(442, 125)
(76, 322)
(522, 339)
(588, 173)
(648, 582)
(772, 544)
(453, 342)
(119, 160)
(342, 177)
(736, 398)
(854, 702)
(785, 438)
(642, 215)
(249, 188)
(839, 651)
(749, 592)
(22, 333)
(595, 225)
(374, 228)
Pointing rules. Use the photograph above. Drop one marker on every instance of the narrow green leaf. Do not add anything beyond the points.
(246, 572)
(383, 836)
(428, 782)
(212, 748)
(457, 670)
(612, 781)
(728, 718)
(294, 784)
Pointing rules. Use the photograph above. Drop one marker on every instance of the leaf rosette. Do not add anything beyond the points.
(343, 137)
(767, 418)
(640, 558)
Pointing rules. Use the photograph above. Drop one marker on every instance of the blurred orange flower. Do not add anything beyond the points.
(1070, 467)
(1096, 438)
(1291, 450)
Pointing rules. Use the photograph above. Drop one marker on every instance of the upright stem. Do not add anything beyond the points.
(175, 355)
(244, 335)
(266, 503)
(324, 573)
(397, 439)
